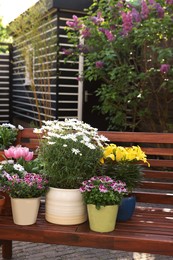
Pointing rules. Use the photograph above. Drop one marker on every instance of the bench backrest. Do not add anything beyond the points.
(157, 186)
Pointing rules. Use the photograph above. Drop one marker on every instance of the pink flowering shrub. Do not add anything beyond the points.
(128, 47)
(102, 191)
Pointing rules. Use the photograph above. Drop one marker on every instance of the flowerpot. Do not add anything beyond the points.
(65, 207)
(103, 219)
(126, 208)
(1, 155)
(25, 210)
(6, 210)
(2, 203)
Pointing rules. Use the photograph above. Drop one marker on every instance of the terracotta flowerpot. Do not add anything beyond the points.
(1, 155)
(65, 207)
(2, 203)
(6, 210)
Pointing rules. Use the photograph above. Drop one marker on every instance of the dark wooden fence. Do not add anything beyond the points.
(5, 80)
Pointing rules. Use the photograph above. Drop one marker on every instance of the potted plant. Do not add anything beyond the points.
(69, 152)
(25, 188)
(124, 163)
(102, 195)
(8, 136)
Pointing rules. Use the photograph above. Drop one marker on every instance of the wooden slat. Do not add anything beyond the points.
(161, 163)
(149, 173)
(156, 198)
(148, 231)
(139, 137)
(158, 151)
(156, 185)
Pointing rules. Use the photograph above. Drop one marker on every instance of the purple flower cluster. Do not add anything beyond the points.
(75, 24)
(29, 179)
(29, 185)
(160, 10)
(144, 10)
(169, 2)
(86, 32)
(136, 15)
(127, 20)
(99, 64)
(109, 35)
(67, 51)
(103, 184)
(97, 19)
(164, 68)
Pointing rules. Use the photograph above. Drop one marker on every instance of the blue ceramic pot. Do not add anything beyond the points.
(126, 208)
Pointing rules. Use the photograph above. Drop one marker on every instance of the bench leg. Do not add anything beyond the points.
(6, 249)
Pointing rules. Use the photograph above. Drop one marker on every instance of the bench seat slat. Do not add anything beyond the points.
(158, 174)
(153, 197)
(156, 185)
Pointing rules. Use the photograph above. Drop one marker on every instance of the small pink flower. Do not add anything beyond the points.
(164, 68)
(99, 64)
(29, 156)
(103, 189)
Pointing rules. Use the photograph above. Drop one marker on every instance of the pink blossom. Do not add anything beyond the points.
(29, 156)
(152, 2)
(109, 35)
(135, 15)
(144, 10)
(127, 22)
(86, 32)
(99, 64)
(164, 68)
(169, 2)
(75, 24)
(9, 153)
(19, 152)
(67, 51)
(97, 19)
(102, 188)
(160, 10)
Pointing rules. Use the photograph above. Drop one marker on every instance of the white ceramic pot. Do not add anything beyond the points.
(65, 207)
(25, 210)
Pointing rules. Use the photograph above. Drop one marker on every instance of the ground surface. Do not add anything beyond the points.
(30, 251)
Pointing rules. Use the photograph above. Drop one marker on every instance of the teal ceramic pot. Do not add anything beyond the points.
(126, 208)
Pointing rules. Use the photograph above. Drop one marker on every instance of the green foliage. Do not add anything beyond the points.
(69, 152)
(4, 37)
(127, 172)
(133, 42)
(8, 135)
(36, 40)
(64, 167)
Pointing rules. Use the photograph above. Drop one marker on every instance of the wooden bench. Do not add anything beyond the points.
(151, 228)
